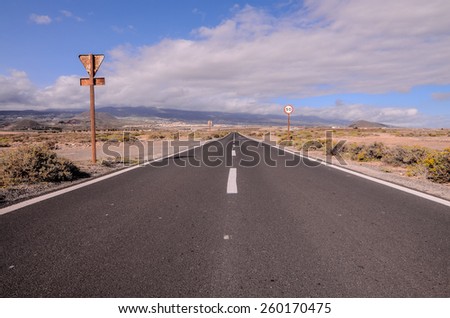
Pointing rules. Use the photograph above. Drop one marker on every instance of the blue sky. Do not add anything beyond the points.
(377, 60)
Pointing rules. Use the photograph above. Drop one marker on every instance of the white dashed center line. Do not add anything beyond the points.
(232, 184)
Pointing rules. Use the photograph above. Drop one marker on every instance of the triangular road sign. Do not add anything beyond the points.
(85, 59)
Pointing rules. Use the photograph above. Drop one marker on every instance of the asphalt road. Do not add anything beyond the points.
(164, 230)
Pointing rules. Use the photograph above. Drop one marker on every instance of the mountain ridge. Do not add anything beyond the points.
(367, 124)
(183, 115)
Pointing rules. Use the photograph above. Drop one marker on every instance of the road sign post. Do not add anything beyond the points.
(288, 109)
(92, 63)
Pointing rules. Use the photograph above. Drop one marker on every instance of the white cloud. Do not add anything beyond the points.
(65, 93)
(123, 30)
(394, 116)
(327, 47)
(40, 19)
(16, 90)
(68, 14)
(352, 112)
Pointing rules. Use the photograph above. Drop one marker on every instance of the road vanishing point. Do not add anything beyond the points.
(231, 228)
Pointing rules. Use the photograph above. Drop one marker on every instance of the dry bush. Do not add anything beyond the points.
(208, 135)
(285, 143)
(118, 137)
(371, 152)
(405, 155)
(437, 166)
(37, 163)
(5, 142)
(156, 135)
(310, 145)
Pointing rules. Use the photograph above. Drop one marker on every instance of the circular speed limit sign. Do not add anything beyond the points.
(288, 109)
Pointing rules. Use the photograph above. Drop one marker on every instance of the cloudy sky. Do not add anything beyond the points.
(379, 60)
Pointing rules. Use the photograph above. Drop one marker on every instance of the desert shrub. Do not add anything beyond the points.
(352, 148)
(404, 155)
(32, 164)
(155, 135)
(310, 145)
(114, 162)
(51, 144)
(4, 142)
(437, 166)
(109, 163)
(374, 151)
(117, 137)
(285, 143)
(102, 137)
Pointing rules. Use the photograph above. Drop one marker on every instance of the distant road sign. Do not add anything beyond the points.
(288, 109)
(85, 59)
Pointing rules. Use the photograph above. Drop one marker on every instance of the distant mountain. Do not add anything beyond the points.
(115, 114)
(26, 124)
(29, 124)
(220, 117)
(102, 120)
(58, 113)
(367, 124)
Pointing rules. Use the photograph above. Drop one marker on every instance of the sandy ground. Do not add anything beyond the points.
(437, 143)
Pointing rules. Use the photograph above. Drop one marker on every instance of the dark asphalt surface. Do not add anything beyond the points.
(291, 232)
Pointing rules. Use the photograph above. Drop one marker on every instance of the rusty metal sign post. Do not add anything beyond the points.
(92, 63)
(288, 110)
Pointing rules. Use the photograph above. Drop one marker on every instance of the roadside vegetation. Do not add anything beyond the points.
(418, 161)
(433, 164)
(36, 163)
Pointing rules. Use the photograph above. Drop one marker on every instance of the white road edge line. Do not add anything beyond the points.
(232, 183)
(383, 182)
(44, 197)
